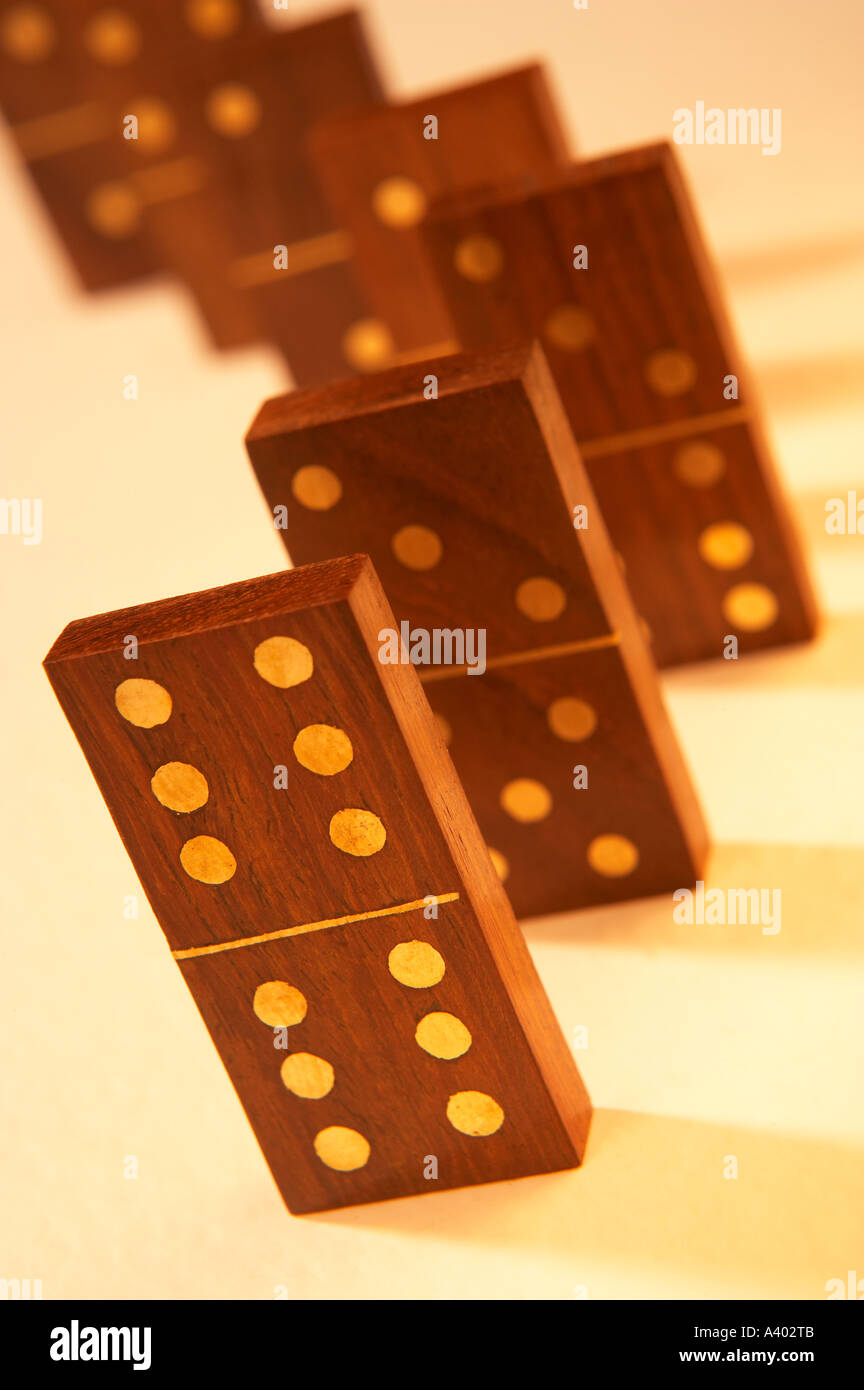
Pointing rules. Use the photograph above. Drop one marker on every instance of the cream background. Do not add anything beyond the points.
(704, 1042)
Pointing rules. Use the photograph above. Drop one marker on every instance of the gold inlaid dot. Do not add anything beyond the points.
(213, 19)
(143, 703)
(368, 345)
(114, 210)
(27, 33)
(180, 787)
(342, 1148)
(307, 1075)
(571, 719)
(542, 600)
(416, 964)
(750, 607)
(324, 749)
(479, 258)
(316, 487)
(157, 126)
(399, 202)
(725, 545)
(670, 372)
(283, 662)
(499, 861)
(208, 860)
(613, 856)
(357, 832)
(417, 547)
(526, 800)
(444, 728)
(112, 37)
(699, 464)
(443, 1035)
(279, 1004)
(474, 1113)
(233, 110)
(570, 328)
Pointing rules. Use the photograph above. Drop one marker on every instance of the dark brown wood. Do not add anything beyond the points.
(68, 72)
(381, 169)
(219, 176)
(642, 354)
(235, 727)
(490, 469)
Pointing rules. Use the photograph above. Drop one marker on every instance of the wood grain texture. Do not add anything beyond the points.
(234, 726)
(641, 349)
(490, 469)
(380, 171)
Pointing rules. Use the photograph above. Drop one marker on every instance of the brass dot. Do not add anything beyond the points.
(751, 607)
(357, 832)
(502, 868)
(569, 327)
(571, 719)
(208, 860)
(613, 856)
(474, 1113)
(142, 702)
(541, 600)
(316, 487)
(27, 33)
(112, 37)
(180, 786)
(726, 545)
(399, 202)
(526, 800)
(443, 1035)
(417, 548)
(157, 126)
(342, 1148)
(279, 1005)
(213, 19)
(479, 258)
(368, 345)
(670, 372)
(444, 728)
(307, 1075)
(323, 748)
(283, 662)
(233, 110)
(416, 964)
(114, 210)
(699, 464)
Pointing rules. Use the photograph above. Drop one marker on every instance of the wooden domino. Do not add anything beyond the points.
(218, 177)
(295, 821)
(382, 167)
(460, 477)
(69, 70)
(606, 266)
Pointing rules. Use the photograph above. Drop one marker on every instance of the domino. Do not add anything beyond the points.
(461, 479)
(69, 70)
(606, 266)
(298, 828)
(216, 178)
(382, 167)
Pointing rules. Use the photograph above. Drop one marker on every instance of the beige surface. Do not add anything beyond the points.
(703, 1042)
